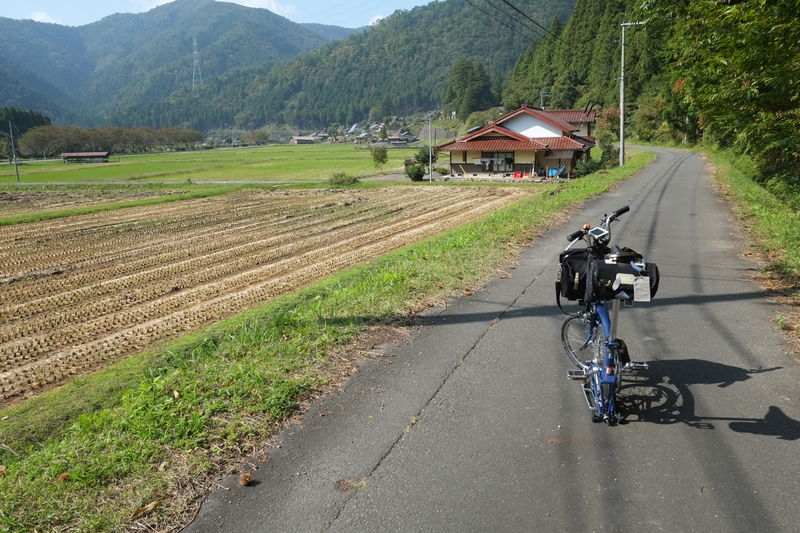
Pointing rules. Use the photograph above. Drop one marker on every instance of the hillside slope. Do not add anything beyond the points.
(126, 59)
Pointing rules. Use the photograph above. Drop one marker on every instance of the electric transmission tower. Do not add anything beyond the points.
(197, 75)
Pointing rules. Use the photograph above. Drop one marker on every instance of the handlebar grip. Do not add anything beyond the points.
(622, 211)
(573, 236)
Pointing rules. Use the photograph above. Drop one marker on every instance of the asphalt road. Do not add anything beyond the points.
(472, 426)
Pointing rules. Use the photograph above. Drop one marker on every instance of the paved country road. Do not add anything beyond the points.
(472, 426)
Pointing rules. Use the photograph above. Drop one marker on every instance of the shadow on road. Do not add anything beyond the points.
(662, 395)
(549, 310)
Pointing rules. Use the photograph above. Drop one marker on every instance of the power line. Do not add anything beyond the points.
(515, 8)
(502, 23)
(518, 21)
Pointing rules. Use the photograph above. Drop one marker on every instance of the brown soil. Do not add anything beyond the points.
(78, 293)
(23, 201)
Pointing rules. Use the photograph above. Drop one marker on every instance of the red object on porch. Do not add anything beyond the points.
(518, 174)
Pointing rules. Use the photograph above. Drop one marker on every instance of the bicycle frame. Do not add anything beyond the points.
(602, 376)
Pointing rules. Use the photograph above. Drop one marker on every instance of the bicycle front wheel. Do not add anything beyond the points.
(577, 336)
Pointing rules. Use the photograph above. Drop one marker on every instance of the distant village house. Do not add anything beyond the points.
(525, 142)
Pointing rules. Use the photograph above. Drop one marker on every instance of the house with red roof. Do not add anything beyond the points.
(525, 142)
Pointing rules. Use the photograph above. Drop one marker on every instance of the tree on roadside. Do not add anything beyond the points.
(380, 156)
(607, 134)
(423, 155)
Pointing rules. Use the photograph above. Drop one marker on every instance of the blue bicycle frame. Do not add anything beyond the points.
(601, 375)
(606, 377)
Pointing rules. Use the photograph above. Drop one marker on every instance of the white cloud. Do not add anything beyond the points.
(377, 18)
(41, 16)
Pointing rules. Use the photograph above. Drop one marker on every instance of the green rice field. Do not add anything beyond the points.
(268, 163)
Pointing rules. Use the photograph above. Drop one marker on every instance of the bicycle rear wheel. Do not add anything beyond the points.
(577, 336)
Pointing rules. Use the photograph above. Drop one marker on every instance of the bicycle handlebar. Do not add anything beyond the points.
(607, 220)
(622, 210)
(573, 236)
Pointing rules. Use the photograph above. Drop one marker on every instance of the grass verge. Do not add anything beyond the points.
(775, 223)
(136, 444)
(775, 227)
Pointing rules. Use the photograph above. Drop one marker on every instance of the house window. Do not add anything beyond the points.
(497, 161)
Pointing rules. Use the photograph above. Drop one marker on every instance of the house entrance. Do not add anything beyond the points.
(498, 161)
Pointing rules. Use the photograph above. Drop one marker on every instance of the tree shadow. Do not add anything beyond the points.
(662, 395)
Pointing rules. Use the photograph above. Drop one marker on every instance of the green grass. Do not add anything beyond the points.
(145, 431)
(270, 163)
(775, 223)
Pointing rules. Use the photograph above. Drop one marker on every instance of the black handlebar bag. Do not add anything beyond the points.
(571, 283)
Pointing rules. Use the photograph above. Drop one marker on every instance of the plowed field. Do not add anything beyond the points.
(80, 292)
(27, 201)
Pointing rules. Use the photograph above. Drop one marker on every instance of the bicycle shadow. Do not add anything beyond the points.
(662, 395)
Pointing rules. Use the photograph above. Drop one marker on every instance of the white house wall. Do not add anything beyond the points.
(531, 127)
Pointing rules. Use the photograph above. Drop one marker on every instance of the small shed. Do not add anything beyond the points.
(84, 157)
(301, 139)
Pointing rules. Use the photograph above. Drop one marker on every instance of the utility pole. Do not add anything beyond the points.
(13, 150)
(622, 94)
(197, 75)
(542, 94)
(430, 149)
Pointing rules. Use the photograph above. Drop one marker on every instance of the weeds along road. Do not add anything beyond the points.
(471, 425)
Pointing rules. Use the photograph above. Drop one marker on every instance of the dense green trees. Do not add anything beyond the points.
(21, 120)
(49, 141)
(726, 70)
(467, 88)
(737, 67)
(17, 121)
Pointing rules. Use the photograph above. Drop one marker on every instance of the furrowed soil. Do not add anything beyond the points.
(30, 201)
(80, 292)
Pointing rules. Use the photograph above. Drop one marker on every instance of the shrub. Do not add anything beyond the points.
(342, 179)
(416, 171)
(586, 167)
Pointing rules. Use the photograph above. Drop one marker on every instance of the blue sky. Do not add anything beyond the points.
(348, 13)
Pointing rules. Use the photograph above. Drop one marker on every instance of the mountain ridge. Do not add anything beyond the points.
(257, 67)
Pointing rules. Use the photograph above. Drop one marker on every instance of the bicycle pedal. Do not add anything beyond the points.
(635, 365)
(576, 375)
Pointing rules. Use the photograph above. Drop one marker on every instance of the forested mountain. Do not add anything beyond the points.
(83, 74)
(136, 70)
(398, 66)
(582, 64)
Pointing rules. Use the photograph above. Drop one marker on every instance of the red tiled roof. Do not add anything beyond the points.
(541, 144)
(492, 145)
(573, 116)
(541, 115)
(560, 143)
